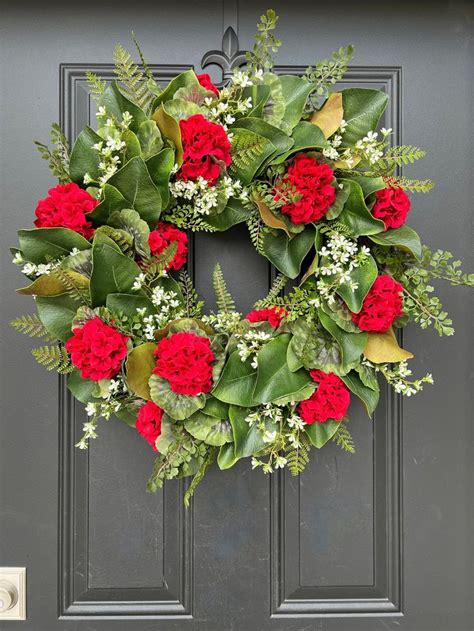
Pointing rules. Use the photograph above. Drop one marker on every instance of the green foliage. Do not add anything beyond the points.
(133, 80)
(407, 184)
(58, 158)
(265, 43)
(275, 291)
(192, 305)
(247, 148)
(73, 289)
(256, 229)
(96, 86)
(53, 358)
(155, 267)
(32, 326)
(396, 157)
(122, 238)
(343, 437)
(439, 264)
(298, 457)
(326, 73)
(205, 464)
(224, 300)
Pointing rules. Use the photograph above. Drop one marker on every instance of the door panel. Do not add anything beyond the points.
(375, 540)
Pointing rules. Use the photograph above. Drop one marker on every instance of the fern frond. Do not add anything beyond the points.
(274, 292)
(224, 300)
(298, 458)
(81, 294)
(256, 231)
(343, 438)
(96, 86)
(206, 463)
(146, 67)
(156, 265)
(399, 156)
(53, 358)
(132, 79)
(58, 158)
(246, 147)
(415, 186)
(192, 304)
(121, 237)
(32, 326)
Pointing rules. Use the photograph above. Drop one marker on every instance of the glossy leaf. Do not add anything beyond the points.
(57, 314)
(351, 345)
(159, 168)
(128, 304)
(237, 382)
(150, 139)
(368, 184)
(342, 195)
(287, 254)
(403, 238)
(248, 439)
(130, 221)
(84, 390)
(383, 348)
(364, 276)
(313, 349)
(275, 381)
(295, 92)
(116, 104)
(139, 368)
(186, 79)
(44, 244)
(356, 216)
(53, 285)
(305, 136)
(369, 397)
(215, 432)
(320, 433)
(84, 159)
(234, 213)
(226, 457)
(363, 108)
(169, 128)
(270, 219)
(330, 116)
(112, 200)
(135, 184)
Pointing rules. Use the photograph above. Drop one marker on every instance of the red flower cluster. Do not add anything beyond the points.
(205, 80)
(97, 349)
(160, 239)
(311, 181)
(273, 315)
(392, 206)
(148, 423)
(206, 148)
(65, 207)
(330, 400)
(381, 307)
(185, 361)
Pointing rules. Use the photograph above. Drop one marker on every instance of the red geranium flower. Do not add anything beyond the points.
(97, 349)
(273, 315)
(185, 361)
(148, 423)
(206, 149)
(66, 206)
(205, 80)
(381, 307)
(392, 206)
(311, 182)
(330, 400)
(160, 239)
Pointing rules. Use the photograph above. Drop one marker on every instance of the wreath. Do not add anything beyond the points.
(318, 187)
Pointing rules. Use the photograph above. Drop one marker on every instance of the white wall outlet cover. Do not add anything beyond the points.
(12, 593)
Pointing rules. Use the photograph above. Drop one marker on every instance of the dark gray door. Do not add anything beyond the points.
(379, 540)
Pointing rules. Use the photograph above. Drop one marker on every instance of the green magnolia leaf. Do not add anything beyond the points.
(383, 348)
(320, 433)
(363, 108)
(248, 439)
(234, 213)
(295, 91)
(112, 271)
(305, 136)
(84, 159)
(84, 390)
(259, 94)
(368, 376)
(53, 285)
(80, 262)
(342, 196)
(160, 167)
(182, 109)
(212, 431)
(57, 314)
(351, 345)
(128, 304)
(314, 349)
(130, 221)
(356, 216)
(216, 408)
(287, 254)
(368, 184)
(368, 396)
(403, 238)
(116, 104)
(135, 184)
(132, 145)
(150, 139)
(280, 141)
(275, 381)
(169, 128)
(329, 117)
(139, 368)
(364, 276)
(186, 79)
(112, 200)
(178, 406)
(237, 382)
(41, 245)
(249, 151)
(226, 457)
